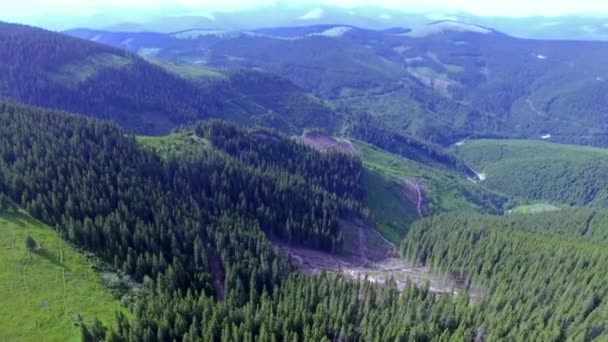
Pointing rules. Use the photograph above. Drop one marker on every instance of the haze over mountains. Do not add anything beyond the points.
(173, 18)
(304, 173)
(444, 81)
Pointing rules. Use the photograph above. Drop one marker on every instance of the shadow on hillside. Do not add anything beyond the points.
(52, 258)
(20, 219)
(23, 220)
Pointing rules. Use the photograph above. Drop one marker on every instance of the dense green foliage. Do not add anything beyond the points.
(336, 172)
(189, 226)
(321, 308)
(536, 170)
(364, 128)
(393, 210)
(540, 277)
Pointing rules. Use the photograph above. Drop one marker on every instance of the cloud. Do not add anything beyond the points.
(16, 8)
(316, 13)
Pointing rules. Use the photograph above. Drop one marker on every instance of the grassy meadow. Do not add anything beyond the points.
(44, 291)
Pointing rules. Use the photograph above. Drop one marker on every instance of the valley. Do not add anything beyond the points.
(325, 181)
(435, 85)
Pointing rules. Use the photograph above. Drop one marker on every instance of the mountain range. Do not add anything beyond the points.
(169, 19)
(317, 182)
(441, 82)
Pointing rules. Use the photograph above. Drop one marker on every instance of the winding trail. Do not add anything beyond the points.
(416, 186)
(419, 197)
(362, 246)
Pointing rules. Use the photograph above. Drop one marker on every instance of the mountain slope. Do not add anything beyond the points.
(400, 191)
(443, 81)
(524, 267)
(194, 227)
(44, 291)
(57, 71)
(537, 171)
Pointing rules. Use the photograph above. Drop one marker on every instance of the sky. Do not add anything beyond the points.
(516, 8)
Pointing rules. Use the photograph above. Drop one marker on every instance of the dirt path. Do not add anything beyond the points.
(418, 200)
(218, 273)
(368, 255)
(362, 245)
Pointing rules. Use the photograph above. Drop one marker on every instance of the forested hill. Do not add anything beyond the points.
(53, 70)
(540, 276)
(192, 228)
(440, 82)
(541, 171)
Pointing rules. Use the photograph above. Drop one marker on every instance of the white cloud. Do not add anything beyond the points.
(482, 7)
(316, 13)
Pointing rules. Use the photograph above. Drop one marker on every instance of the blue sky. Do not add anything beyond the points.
(29, 8)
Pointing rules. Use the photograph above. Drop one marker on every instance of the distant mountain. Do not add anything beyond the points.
(174, 18)
(53, 70)
(443, 81)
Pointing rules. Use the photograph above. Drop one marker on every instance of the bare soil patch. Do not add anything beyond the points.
(368, 256)
(323, 142)
(414, 192)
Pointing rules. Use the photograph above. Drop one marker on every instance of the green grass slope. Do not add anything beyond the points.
(541, 171)
(182, 142)
(43, 292)
(390, 208)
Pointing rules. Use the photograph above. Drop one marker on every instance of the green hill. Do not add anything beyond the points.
(389, 180)
(541, 171)
(536, 277)
(44, 291)
(56, 71)
(442, 83)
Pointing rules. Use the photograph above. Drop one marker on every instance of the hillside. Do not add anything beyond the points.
(196, 218)
(541, 171)
(56, 71)
(441, 82)
(527, 269)
(386, 181)
(43, 292)
(200, 221)
(399, 191)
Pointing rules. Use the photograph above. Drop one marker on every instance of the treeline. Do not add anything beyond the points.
(112, 84)
(541, 171)
(270, 150)
(319, 308)
(182, 219)
(540, 278)
(190, 229)
(364, 128)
